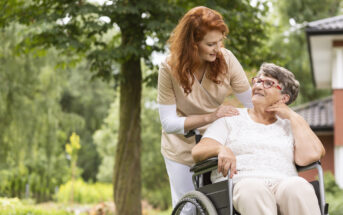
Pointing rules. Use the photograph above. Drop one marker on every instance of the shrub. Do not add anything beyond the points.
(334, 195)
(13, 206)
(85, 193)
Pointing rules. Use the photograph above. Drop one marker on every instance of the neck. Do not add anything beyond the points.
(260, 115)
(199, 73)
(202, 65)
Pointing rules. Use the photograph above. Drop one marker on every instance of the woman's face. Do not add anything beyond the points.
(210, 45)
(266, 91)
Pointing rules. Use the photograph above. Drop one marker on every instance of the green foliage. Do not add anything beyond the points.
(85, 193)
(106, 140)
(317, 10)
(154, 175)
(333, 194)
(14, 206)
(33, 134)
(89, 98)
(40, 105)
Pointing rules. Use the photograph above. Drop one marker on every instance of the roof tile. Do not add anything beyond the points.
(318, 114)
(332, 23)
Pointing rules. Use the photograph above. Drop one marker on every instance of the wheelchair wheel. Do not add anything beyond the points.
(201, 202)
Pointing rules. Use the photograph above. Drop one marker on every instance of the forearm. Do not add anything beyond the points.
(196, 121)
(205, 149)
(245, 98)
(308, 147)
(172, 123)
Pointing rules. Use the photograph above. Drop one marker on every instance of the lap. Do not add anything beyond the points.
(289, 186)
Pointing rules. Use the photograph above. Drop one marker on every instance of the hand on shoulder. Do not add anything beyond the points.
(224, 111)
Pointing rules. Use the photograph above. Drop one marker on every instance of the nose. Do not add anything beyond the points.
(258, 85)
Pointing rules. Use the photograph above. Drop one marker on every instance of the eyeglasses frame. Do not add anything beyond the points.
(274, 84)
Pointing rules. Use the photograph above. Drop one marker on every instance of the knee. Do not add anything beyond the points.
(296, 188)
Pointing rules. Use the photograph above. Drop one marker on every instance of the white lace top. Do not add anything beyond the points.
(262, 151)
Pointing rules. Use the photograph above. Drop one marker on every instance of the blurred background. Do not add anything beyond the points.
(74, 75)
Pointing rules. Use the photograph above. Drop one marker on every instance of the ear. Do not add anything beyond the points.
(285, 98)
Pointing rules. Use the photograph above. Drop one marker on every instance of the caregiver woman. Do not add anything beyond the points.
(193, 82)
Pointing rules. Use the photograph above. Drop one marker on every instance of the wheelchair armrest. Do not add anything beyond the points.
(313, 165)
(205, 164)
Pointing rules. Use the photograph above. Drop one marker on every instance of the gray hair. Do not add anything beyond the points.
(286, 78)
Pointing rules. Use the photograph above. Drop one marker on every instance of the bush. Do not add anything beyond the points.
(158, 198)
(13, 206)
(334, 195)
(85, 193)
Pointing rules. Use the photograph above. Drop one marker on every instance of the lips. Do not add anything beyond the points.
(257, 93)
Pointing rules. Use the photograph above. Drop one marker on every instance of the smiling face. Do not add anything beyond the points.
(266, 97)
(210, 45)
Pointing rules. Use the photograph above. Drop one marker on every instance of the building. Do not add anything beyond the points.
(325, 45)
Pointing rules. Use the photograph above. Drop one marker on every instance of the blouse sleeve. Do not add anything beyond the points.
(166, 95)
(218, 130)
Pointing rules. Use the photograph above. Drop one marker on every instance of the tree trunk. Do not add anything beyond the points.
(127, 168)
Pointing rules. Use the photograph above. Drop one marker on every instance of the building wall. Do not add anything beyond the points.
(338, 113)
(327, 161)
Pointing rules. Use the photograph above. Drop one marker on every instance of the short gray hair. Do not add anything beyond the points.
(286, 78)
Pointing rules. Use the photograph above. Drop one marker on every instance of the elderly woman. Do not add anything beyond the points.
(261, 147)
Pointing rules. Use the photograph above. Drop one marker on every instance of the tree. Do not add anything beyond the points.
(72, 149)
(40, 105)
(32, 130)
(77, 27)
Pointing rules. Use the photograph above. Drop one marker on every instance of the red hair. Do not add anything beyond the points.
(184, 40)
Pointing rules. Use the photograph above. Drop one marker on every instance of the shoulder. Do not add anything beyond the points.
(233, 64)
(165, 70)
(164, 66)
(228, 55)
(285, 124)
(232, 120)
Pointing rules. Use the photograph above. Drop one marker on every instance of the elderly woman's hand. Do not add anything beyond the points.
(223, 111)
(226, 161)
(281, 110)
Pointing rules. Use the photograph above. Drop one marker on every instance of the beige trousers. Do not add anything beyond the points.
(291, 196)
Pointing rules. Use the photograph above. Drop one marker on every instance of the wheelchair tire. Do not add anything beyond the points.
(201, 202)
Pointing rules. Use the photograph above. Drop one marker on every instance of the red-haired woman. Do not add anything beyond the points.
(192, 85)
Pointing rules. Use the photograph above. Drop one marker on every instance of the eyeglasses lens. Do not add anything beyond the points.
(268, 84)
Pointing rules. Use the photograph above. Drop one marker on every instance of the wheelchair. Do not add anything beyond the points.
(216, 199)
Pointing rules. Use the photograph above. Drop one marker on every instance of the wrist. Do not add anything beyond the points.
(220, 148)
(293, 116)
(211, 117)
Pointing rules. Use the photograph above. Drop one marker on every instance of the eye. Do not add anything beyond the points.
(268, 83)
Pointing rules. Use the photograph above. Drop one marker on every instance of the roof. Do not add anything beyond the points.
(318, 114)
(332, 25)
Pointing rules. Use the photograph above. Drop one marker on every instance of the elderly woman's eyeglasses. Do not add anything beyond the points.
(266, 83)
